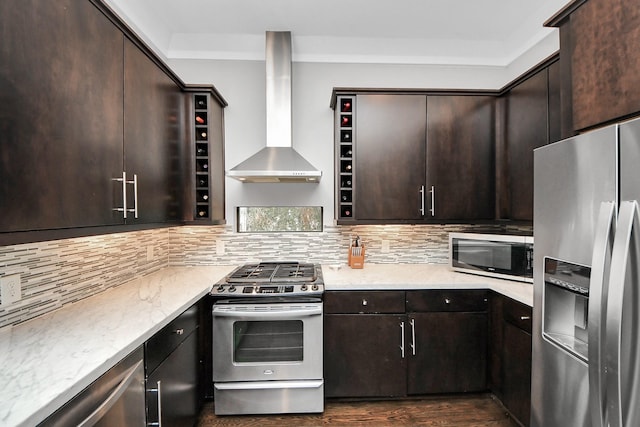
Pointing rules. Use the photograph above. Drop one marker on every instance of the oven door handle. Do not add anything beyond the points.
(239, 312)
(266, 385)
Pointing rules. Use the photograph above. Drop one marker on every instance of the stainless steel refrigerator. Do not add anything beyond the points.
(586, 336)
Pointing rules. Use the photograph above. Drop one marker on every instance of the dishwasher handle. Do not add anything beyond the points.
(112, 399)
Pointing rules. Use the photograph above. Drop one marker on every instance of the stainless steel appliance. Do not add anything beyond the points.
(114, 399)
(586, 347)
(505, 256)
(267, 339)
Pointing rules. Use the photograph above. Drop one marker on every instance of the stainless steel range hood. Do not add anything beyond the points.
(278, 161)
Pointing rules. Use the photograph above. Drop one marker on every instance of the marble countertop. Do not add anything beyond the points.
(419, 276)
(48, 360)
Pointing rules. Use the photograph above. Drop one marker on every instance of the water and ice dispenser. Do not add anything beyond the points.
(566, 305)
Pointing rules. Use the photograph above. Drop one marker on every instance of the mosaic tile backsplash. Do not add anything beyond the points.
(60, 272)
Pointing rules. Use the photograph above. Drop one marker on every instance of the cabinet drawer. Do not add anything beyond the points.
(447, 300)
(336, 302)
(159, 346)
(518, 314)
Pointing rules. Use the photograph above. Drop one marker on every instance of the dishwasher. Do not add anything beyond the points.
(117, 398)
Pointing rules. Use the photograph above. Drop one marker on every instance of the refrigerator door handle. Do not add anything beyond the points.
(598, 287)
(621, 364)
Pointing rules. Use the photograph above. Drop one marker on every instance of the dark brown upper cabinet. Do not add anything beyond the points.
(60, 115)
(526, 129)
(82, 101)
(389, 153)
(460, 158)
(599, 45)
(414, 157)
(153, 138)
(530, 119)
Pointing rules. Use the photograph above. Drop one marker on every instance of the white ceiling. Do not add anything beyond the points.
(457, 32)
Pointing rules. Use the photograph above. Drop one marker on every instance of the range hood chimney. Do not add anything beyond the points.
(278, 161)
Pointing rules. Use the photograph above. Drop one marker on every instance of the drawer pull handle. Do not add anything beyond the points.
(364, 302)
(447, 301)
(525, 317)
(179, 331)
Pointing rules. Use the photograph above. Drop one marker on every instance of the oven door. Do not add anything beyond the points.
(267, 341)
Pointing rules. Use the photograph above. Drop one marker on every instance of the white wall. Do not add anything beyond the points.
(242, 84)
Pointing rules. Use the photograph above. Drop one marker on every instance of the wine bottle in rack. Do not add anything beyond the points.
(203, 196)
(203, 212)
(200, 102)
(202, 181)
(201, 118)
(346, 151)
(202, 150)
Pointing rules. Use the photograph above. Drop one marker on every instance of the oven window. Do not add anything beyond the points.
(267, 341)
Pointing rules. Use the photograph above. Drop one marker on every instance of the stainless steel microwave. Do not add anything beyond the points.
(495, 255)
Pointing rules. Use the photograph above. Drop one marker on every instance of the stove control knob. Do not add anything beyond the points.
(314, 287)
(303, 287)
(220, 288)
(232, 288)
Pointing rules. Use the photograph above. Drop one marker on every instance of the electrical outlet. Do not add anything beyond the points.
(150, 255)
(220, 247)
(385, 247)
(10, 290)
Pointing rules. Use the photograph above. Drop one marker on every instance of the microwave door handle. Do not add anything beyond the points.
(625, 246)
(280, 314)
(598, 285)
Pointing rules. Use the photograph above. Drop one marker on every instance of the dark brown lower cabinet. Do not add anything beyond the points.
(173, 372)
(450, 353)
(516, 366)
(370, 352)
(511, 356)
(387, 344)
(178, 403)
(362, 355)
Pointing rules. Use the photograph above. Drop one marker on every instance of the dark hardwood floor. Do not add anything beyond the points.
(475, 410)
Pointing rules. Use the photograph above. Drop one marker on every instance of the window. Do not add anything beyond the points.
(279, 218)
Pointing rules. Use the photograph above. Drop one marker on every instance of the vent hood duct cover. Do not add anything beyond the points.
(278, 161)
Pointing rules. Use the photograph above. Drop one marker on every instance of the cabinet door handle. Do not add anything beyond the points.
(525, 317)
(135, 195)
(179, 331)
(402, 339)
(422, 199)
(158, 392)
(413, 336)
(124, 182)
(433, 201)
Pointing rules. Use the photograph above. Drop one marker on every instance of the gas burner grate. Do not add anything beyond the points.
(273, 272)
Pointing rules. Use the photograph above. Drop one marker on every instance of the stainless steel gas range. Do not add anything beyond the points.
(267, 339)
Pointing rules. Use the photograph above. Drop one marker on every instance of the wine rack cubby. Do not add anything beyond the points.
(201, 132)
(345, 148)
(204, 195)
